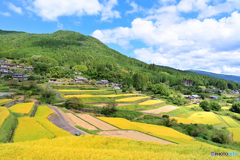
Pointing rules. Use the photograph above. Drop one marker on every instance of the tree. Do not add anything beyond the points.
(80, 68)
(32, 78)
(161, 89)
(74, 103)
(235, 107)
(8, 77)
(93, 82)
(205, 106)
(110, 108)
(215, 106)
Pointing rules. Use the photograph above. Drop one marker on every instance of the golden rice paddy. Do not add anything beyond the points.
(150, 102)
(23, 108)
(4, 113)
(43, 111)
(205, 118)
(236, 133)
(67, 90)
(87, 96)
(130, 99)
(5, 100)
(232, 123)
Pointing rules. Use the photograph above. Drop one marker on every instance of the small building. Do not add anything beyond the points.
(238, 98)
(3, 73)
(2, 62)
(196, 96)
(116, 87)
(9, 64)
(214, 97)
(80, 80)
(20, 66)
(28, 68)
(185, 96)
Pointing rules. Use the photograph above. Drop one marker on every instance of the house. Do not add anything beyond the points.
(25, 77)
(185, 96)
(194, 97)
(214, 97)
(103, 82)
(28, 68)
(238, 98)
(17, 75)
(2, 62)
(116, 87)
(80, 79)
(20, 66)
(9, 64)
(6, 73)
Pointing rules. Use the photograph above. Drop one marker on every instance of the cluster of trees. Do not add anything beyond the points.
(210, 106)
(235, 107)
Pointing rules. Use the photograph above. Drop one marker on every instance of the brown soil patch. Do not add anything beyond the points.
(103, 105)
(161, 109)
(133, 135)
(96, 122)
(80, 122)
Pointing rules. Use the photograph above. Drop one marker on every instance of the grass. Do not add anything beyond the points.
(126, 114)
(182, 112)
(236, 133)
(66, 90)
(232, 123)
(94, 132)
(28, 130)
(4, 113)
(43, 111)
(110, 96)
(151, 102)
(4, 88)
(155, 130)
(222, 124)
(7, 128)
(56, 131)
(23, 108)
(95, 99)
(130, 99)
(205, 118)
(225, 108)
(183, 120)
(102, 148)
(2, 101)
(136, 106)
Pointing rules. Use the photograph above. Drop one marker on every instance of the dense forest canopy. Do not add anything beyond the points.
(68, 49)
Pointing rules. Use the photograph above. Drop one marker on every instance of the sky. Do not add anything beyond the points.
(183, 34)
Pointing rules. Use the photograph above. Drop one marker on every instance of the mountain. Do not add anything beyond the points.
(219, 76)
(68, 49)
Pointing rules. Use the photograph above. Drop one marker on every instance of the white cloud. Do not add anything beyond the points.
(52, 9)
(135, 9)
(15, 8)
(184, 44)
(60, 26)
(5, 14)
(231, 70)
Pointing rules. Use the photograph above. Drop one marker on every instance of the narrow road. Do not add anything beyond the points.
(61, 122)
(58, 94)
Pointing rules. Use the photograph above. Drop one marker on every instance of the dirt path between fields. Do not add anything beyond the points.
(80, 122)
(96, 122)
(161, 109)
(103, 105)
(133, 135)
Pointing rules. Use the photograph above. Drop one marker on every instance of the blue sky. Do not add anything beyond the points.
(184, 34)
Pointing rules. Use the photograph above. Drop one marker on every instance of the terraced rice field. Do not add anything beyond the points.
(151, 102)
(236, 133)
(205, 118)
(167, 108)
(155, 130)
(66, 90)
(80, 122)
(4, 113)
(56, 131)
(225, 108)
(23, 108)
(43, 111)
(130, 99)
(72, 85)
(96, 122)
(28, 130)
(5, 100)
(232, 123)
(87, 96)
(133, 135)
(105, 148)
(183, 120)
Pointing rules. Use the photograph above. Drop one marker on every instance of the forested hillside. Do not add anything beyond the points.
(68, 49)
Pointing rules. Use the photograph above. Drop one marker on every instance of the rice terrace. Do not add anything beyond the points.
(155, 80)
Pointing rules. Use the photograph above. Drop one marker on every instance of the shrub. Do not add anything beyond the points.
(110, 108)
(214, 106)
(235, 107)
(74, 103)
(205, 106)
(220, 137)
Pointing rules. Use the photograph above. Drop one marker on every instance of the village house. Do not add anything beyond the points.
(214, 97)
(3, 73)
(20, 66)
(103, 82)
(20, 76)
(2, 62)
(79, 80)
(7, 65)
(192, 97)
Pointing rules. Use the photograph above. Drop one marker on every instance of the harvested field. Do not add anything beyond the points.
(167, 108)
(96, 122)
(120, 104)
(133, 135)
(80, 122)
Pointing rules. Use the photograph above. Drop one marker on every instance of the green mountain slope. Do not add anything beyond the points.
(68, 48)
